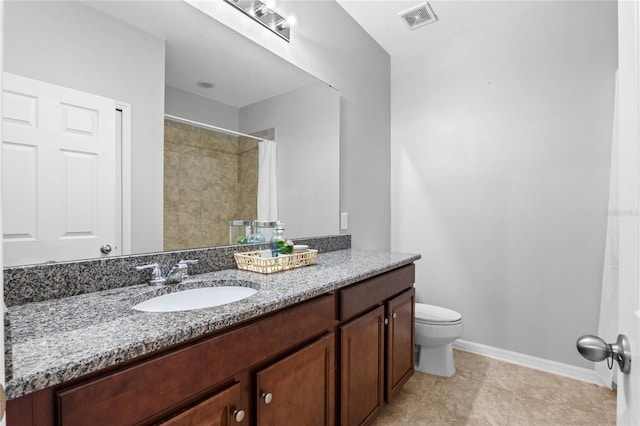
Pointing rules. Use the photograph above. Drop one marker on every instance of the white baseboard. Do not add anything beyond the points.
(573, 372)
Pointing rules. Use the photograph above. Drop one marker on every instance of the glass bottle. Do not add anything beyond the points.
(277, 241)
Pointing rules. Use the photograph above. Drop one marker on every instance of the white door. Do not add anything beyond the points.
(629, 284)
(58, 173)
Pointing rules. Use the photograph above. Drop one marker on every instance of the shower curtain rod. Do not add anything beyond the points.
(210, 127)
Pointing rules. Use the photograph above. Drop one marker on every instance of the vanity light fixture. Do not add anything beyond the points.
(265, 14)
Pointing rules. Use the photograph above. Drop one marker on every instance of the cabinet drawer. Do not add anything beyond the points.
(366, 294)
(161, 383)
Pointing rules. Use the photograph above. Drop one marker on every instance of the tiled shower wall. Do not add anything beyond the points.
(210, 178)
(247, 194)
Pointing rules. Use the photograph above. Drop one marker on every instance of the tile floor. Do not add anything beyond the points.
(485, 391)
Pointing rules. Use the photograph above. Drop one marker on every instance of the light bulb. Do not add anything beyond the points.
(260, 11)
(292, 21)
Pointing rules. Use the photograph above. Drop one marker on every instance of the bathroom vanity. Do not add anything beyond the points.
(325, 344)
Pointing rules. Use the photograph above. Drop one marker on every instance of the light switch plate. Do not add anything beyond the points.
(344, 221)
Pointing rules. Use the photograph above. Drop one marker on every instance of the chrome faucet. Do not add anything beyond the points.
(176, 273)
(183, 266)
(156, 273)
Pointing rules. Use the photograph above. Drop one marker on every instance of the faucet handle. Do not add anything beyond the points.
(183, 266)
(156, 273)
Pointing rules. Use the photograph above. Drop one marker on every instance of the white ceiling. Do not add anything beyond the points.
(380, 19)
(199, 48)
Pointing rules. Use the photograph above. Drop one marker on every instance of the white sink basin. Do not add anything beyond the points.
(197, 298)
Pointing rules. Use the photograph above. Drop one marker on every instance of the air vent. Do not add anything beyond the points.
(418, 16)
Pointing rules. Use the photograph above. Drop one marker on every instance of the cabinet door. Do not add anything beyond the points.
(299, 389)
(221, 409)
(400, 341)
(362, 368)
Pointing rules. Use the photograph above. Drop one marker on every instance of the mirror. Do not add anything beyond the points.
(148, 56)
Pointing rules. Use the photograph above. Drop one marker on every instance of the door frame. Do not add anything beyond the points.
(125, 178)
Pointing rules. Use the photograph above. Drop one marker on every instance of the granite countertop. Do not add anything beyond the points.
(61, 339)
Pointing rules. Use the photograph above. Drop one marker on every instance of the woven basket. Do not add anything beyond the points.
(251, 261)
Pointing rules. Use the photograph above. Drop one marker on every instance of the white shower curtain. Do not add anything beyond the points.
(608, 325)
(267, 187)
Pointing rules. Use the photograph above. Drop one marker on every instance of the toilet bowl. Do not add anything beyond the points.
(436, 328)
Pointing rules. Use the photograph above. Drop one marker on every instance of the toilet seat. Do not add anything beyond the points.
(436, 315)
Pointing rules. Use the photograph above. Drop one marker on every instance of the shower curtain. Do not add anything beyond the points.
(608, 325)
(267, 187)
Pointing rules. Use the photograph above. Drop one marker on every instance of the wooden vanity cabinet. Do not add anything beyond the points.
(333, 359)
(155, 389)
(377, 343)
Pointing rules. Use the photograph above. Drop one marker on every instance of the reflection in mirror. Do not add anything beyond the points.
(210, 179)
(147, 57)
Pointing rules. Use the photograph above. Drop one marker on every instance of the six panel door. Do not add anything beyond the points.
(58, 172)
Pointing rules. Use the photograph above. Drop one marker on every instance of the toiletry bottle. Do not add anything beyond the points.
(277, 241)
(255, 237)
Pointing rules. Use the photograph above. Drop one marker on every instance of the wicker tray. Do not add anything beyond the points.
(251, 261)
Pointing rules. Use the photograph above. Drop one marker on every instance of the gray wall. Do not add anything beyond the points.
(72, 45)
(328, 44)
(307, 125)
(183, 104)
(501, 142)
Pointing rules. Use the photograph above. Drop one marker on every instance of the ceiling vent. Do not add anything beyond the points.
(418, 16)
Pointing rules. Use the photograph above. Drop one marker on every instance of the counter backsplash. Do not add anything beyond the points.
(35, 283)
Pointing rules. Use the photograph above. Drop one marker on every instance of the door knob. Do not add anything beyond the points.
(595, 349)
(105, 249)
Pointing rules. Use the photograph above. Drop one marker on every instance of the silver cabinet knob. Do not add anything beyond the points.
(238, 415)
(267, 397)
(105, 249)
(395, 315)
(386, 321)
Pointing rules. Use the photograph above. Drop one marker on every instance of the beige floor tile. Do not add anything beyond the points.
(527, 411)
(486, 370)
(552, 389)
(419, 384)
(407, 400)
(386, 419)
(485, 391)
(610, 405)
(398, 411)
(460, 400)
(402, 407)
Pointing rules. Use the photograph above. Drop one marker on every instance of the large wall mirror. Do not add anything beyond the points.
(142, 61)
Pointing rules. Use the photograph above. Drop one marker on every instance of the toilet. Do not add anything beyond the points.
(435, 330)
